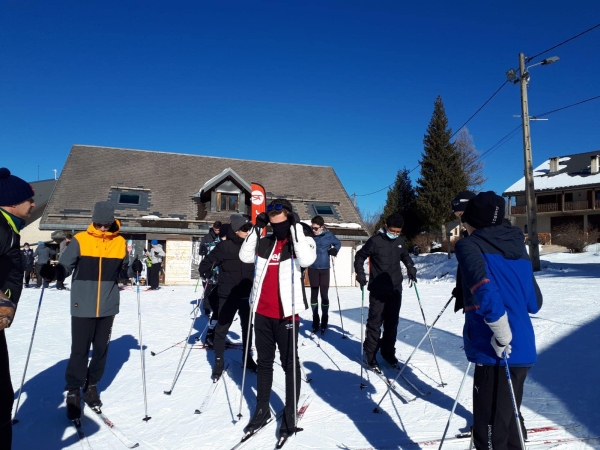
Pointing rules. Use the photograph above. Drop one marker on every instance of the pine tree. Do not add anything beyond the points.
(441, 174)
(401, 198)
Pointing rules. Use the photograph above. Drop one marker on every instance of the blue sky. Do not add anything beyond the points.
(349, 84)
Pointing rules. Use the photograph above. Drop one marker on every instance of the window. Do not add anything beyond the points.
(323, 210)
(130, 199)
(569, 197)
(227, 202)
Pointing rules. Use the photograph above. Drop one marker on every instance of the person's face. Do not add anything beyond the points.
(102, 226)
(316, 229)
(242, 234)
(23, 209)
(216, 230)
(26, 247)
(281, 217)
(394, 230)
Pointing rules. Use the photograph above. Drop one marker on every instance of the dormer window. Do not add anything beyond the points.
(129, 199)
(227, 202)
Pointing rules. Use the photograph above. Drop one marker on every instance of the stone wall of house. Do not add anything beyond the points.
(177, 268)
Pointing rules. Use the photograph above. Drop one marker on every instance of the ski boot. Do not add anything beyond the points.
(287, 427)
(261, 416)
(73, 404)
(91, 397)
(371, 361)
(316, 323)
(218, 369)
(209, 340)
(391, 359)
(324, 322)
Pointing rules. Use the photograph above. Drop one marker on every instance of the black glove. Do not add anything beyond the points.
(412, 273)
(456, 292)
(332, 251)
(361, 278)
(137, 266)
(262, 220)
(48, 272)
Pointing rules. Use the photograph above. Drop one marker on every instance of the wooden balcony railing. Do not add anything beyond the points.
(516, 210)
(548, 207)
(576, 206)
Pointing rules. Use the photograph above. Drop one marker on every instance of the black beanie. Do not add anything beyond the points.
(13, 190)
(460, 201)
(486, 209)
(104, 212)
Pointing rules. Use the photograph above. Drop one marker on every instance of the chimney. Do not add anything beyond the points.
(554, 164)
(595, 164)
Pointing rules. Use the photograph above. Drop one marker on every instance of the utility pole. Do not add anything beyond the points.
(534, 248)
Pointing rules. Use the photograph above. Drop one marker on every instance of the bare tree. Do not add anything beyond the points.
(469, 160)
(370, 219)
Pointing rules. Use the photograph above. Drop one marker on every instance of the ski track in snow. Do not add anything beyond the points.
(561, 388)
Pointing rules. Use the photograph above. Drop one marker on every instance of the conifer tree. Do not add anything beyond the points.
(441, 174)
(401, 198)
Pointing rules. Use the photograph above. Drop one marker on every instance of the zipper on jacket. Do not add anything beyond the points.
(99, 282)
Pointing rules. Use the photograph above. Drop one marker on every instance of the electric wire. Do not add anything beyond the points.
(528, 59)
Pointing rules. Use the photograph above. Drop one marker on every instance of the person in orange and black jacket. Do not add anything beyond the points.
(16, 204)
(95, 258)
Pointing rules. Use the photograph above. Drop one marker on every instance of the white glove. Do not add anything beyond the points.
(502, 336)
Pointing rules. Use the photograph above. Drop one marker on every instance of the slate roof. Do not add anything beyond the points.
(170, 180)
(574, 173)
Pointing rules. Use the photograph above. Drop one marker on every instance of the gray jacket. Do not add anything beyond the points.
(43, 254)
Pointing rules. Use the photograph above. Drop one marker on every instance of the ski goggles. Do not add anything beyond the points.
(276, 207)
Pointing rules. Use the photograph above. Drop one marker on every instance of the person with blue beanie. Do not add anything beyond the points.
(156, 255)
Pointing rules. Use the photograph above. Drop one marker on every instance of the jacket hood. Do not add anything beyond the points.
(507, 240)
(231, 236)
(112, 232)
(157, 246)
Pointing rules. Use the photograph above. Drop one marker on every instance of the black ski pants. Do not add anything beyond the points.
(38, 277)
(319, 281)
(154, 273)
(383, 309)
(86, 332)
(6, 396)
(494, 423)
(228, 307)
(27, 276)
(212, 301)
(269, 334)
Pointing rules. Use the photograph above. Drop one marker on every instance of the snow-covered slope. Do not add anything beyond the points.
(561, 389)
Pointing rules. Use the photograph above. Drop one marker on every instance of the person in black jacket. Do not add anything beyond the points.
(16, 204)
(386, 249)
(459, 204)
(27, 255)
(233, 287)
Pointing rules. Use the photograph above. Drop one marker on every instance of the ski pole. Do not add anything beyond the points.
(250, 319)
(362, 338)
(514, 402)
(442, 384)
(165, 349)
(142, 352)
(338, 297)
(185, 347)
(294, 338)
(29, 352)
(391, 385)
(454, 406)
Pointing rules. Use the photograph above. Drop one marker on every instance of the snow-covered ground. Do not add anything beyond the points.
(562, 389)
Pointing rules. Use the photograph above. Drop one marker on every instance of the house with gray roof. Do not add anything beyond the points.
(567, 190)
(175, 198)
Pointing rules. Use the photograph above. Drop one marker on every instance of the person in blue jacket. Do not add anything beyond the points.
(500, 292)
(318, 274)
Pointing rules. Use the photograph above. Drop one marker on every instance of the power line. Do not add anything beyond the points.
(500, 143)
(480, 108)
(566, 107)
(562, 43)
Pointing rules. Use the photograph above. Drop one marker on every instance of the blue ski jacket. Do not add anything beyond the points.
(324, 242)
(497, 277)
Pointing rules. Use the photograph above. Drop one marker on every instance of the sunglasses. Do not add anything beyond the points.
(316, 228)
(105, 225)
(276, 207)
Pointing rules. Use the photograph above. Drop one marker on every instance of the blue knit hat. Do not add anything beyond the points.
(13, 190)
(154, 242)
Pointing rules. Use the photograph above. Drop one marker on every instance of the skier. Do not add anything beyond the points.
(318, 273)
(27, 255)
(94, 257)
(233, 289)
(42, 254)
(207, 243)
(156, 254)
(458, 208)
(16, 204)
(277, 287)
(386, 249)
(60, 285)
(500, 292)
